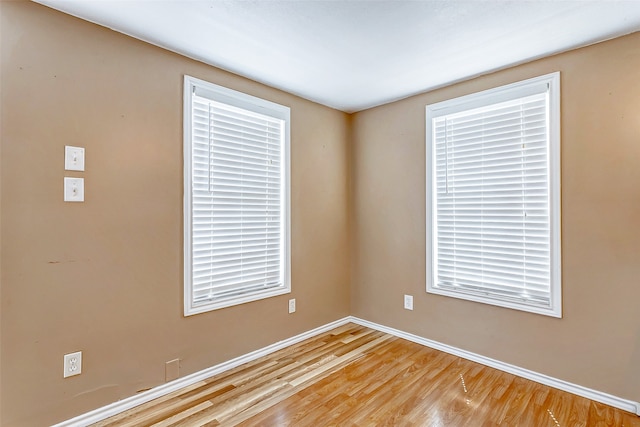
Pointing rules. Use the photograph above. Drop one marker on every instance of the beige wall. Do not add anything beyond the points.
(105, 276)
(597, 343)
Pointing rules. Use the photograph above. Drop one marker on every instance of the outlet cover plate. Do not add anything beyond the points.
(408, 302)
(292, 305)
(72, 364)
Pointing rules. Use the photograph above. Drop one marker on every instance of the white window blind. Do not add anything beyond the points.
(491, 201)
(238, 219)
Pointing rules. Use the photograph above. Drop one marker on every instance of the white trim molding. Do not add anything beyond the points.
(164, 389)
(208, 108)
(598, 396)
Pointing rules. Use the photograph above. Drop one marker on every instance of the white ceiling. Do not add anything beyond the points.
(352, 55)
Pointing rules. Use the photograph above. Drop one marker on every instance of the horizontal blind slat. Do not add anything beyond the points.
(491, 199)
(237, 201)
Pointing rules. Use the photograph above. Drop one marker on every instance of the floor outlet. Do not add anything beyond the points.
(292, 305)
(408, 302)
(72, 364)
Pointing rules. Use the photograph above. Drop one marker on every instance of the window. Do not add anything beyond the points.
(236, 197)
(493, 196)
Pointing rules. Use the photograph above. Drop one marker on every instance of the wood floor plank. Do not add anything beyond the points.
(353, 376)
(180, 416)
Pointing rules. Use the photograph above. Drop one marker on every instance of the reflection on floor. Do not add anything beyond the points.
(355, 376)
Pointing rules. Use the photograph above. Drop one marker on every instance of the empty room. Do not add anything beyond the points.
(319, 213)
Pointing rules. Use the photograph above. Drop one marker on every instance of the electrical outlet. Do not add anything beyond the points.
(72, 364)
(408, 302)
(292, 305)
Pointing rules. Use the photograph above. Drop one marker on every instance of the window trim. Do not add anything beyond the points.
(258, 105)
(488, 97)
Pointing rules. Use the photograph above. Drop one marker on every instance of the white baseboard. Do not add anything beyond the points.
(161, 390)
(164, 389)
(598, 396)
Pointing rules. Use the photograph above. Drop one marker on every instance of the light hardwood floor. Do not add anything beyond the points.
(355, 376)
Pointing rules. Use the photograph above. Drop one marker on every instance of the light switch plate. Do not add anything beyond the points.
(73, 189)
(73, 158)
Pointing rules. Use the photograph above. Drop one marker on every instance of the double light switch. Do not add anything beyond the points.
(73, 161)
